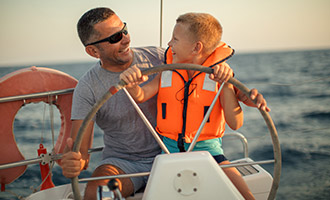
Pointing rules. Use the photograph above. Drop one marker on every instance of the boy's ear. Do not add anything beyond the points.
(198, 47)
(92, 51)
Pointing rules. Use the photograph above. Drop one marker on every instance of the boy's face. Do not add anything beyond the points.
(182, 44)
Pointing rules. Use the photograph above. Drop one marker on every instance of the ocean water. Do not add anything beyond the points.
(296, 86)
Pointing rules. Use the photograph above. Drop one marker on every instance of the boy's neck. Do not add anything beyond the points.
(200, 58)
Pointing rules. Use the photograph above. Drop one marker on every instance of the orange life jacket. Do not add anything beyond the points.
(182, 102)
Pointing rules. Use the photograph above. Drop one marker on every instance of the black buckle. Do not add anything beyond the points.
(181, 143)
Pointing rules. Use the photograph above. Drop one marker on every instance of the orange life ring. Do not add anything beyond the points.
(28, 81)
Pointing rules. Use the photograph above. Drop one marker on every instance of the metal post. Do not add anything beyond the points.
(147, 123)
(193, 143)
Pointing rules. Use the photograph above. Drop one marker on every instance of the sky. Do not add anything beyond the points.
(39, 32)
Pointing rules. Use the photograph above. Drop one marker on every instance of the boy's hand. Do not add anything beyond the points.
(221, 73)
(133, 76)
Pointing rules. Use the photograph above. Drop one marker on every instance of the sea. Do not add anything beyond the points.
(296, 85)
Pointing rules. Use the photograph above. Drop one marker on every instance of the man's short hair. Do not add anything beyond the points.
(85, 26)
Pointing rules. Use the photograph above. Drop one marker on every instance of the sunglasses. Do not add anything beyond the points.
(112, 39)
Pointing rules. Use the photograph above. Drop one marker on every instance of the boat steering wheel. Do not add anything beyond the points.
(160, 68)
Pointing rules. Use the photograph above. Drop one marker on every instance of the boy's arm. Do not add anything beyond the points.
(133, 77)
(232, 109)
(223, 72)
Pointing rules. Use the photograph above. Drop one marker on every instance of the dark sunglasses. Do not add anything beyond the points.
(112, 39)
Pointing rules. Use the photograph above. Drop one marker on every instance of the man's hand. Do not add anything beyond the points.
(255, 96)
(71, 162)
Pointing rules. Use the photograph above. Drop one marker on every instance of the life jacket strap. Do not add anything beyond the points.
(181, 143)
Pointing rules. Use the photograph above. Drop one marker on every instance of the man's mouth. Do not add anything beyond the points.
(124, 50)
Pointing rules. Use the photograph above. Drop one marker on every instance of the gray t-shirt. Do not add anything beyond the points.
(125, 134)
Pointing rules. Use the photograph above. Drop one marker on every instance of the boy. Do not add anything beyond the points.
(196, 39)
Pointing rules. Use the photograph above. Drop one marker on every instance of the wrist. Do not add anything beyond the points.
(237, 93)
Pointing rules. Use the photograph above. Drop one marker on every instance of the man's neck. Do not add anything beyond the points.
(115, 67)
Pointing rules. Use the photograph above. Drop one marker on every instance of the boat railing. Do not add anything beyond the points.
(36, 95)
(242, 138)
(46, 159)
(43, 159)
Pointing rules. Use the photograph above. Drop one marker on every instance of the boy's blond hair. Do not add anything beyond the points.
(203, 27)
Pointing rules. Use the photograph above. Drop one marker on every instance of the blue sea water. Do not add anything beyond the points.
(296, 86)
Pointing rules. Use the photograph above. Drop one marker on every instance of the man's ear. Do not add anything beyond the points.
(198, 47)
(92, 51)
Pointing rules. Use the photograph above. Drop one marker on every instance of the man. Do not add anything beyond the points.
(129, 146)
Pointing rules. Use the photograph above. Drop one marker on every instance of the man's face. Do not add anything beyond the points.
(113, 54)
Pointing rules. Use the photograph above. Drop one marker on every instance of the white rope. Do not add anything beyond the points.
(51, 116)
